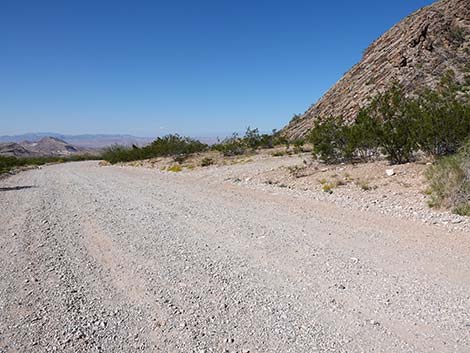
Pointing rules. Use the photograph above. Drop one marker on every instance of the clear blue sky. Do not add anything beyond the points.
(194, 67)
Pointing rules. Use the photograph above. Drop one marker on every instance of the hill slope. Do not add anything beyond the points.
(50, 146)
(12, 149)
(47, 146)
(415, 52)
(85, 141)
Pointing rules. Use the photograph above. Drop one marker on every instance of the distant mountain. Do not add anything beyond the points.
(50, 146)
(12, 149)
(47, 146)
(416, 52)
(84, 141)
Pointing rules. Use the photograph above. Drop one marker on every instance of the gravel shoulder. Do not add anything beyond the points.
(125, 259)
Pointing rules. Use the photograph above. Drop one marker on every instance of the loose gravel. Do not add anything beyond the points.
(122, 259)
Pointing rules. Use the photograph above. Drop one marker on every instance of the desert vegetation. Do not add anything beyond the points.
(434, 122)
(169, 145)
(8, 163)
(180, 148)
(251, 141)
(449, 182)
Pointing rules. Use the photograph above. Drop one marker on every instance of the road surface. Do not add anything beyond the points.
(122, 259)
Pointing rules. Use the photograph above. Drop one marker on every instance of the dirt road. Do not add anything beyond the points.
(121, 259)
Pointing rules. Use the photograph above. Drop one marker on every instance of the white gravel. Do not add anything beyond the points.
(121, 259)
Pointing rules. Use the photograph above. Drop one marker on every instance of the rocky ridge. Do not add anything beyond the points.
(416, 53)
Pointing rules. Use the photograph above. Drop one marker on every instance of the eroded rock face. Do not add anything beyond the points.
(415, 52)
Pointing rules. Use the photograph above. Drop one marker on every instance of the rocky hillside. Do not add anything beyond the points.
(12, 149)
(50, 146)
(47, 146)
(415, 52)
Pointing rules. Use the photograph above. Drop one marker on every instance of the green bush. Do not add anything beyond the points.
(251, 140)
(449, 182)
(170, 145)
(329, 139)
(397, 130)
(444, 118)
(116, 153)
(435, 122)
(362, 140)
(207, 162)
(231, 146)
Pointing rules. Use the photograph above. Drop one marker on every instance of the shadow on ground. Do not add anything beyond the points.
(13, 188)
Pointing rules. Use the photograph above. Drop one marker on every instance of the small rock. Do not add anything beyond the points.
(390, 172)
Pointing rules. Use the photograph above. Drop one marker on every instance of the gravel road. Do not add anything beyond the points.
(122, 259)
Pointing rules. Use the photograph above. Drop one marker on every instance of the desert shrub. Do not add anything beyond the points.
(436, 122)
(444, 118)
(207, 162)
(449, 182)
(169, 145)
(231, 146)
(329, 139)
(251, 140)
(8, 163)
(298, 145)
(279, 153)
(336, 140)
(280, 140)
(444, 124)
(397, 130)
(363, 184)
(362, 137)
(116, 153)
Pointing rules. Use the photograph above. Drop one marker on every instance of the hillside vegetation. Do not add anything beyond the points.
(8, 163)
(181, 147)
(434, 122)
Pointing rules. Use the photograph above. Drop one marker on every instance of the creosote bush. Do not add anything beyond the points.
(436, 122)
(170, 145)
(252, 140)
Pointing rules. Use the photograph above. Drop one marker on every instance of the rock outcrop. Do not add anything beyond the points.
(416, 53)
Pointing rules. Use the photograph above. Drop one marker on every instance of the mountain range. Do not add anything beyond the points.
(89, 141)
